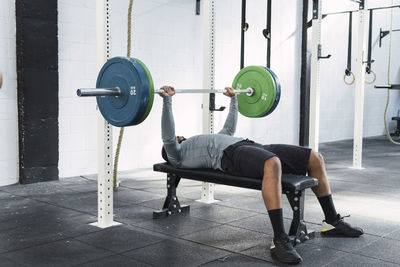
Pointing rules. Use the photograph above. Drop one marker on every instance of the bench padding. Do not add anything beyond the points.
(290, 182)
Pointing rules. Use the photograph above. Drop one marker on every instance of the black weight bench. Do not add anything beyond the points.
(292, 185)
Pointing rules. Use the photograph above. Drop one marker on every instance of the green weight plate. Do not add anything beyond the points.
(263, 84)
(151, 89)
(278, 92)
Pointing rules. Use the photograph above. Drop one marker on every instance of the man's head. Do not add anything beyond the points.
(164, 153)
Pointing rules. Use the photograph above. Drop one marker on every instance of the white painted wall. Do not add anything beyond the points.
(282, 126)
(337, 98)
(167, 37)
(8, 96)
(77, 68)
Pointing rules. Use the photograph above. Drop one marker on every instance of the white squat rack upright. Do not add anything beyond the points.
(105, 201)
(360, 85)
(315, 88)
(207, 194)
(105, 212)
(360, 76)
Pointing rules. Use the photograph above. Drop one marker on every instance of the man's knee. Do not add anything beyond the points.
(272, 166)
(316, 160)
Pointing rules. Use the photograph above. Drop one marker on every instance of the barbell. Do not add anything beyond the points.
(125, 91)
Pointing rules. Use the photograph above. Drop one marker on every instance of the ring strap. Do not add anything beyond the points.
(348, 70)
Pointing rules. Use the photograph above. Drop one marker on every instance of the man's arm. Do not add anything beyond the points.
(231, 120)
(171, 145)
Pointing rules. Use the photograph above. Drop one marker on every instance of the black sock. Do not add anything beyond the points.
(276, 218)
(328, 208)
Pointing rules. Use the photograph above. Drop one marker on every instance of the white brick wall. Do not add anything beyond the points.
(282, 126)
(77, 68)
(167, 36)
(8, 96)
(170, 45)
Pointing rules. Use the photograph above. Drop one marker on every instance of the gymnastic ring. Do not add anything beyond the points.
(352, 81)
(373, 80)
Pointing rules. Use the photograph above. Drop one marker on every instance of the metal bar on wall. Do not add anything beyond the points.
(304, 81)
(243, 26)
(268, 29)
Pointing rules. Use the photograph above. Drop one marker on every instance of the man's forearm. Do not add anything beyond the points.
(171, 145)
(231, 120)
(167, 121)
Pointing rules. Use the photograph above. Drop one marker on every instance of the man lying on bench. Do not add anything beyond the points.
(243, 157)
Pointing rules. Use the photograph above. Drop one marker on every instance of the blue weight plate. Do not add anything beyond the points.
(126, 74)
(278, 92)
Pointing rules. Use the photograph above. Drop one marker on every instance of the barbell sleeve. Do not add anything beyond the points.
(98, 92)
(117, 92)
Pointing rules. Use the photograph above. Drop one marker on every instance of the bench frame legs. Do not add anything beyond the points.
(298, 229)
(171, 204)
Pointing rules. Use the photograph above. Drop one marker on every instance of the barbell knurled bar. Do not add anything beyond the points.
(117, 92)
(125, 91)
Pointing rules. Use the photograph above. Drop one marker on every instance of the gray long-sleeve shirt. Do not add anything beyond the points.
(199, 151)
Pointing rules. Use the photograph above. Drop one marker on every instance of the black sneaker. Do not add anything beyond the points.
(282, 249)
(340, 228)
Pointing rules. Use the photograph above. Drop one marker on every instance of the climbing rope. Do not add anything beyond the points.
(388, 79)
(121, 131)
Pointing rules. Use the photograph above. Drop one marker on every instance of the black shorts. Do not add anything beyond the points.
(247, 158)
